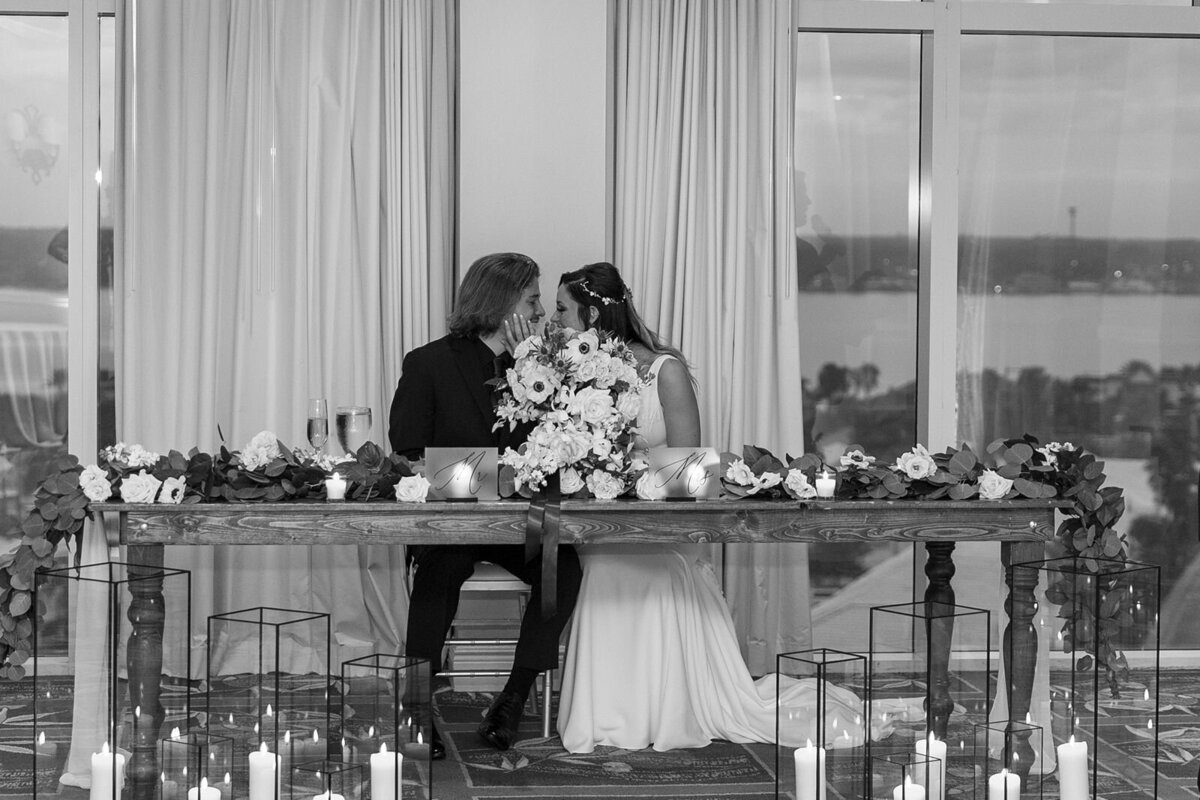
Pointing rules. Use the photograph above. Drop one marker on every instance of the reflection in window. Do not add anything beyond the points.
(857, 129)
(1079, 276)
(33, 279)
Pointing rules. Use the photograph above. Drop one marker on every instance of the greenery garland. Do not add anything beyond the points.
(267, 471)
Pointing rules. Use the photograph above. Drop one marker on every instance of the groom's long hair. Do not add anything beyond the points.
(599, 286)
(490, 289)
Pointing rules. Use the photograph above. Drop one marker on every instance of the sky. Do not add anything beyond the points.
(1109, 126)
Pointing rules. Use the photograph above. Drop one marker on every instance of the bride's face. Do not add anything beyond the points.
(567, 312)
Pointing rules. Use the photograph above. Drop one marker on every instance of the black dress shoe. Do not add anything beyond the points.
(500, 723)
(437, 748)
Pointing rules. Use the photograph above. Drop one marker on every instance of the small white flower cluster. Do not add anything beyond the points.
(1051, 451)
(128, 456)
(583, 392)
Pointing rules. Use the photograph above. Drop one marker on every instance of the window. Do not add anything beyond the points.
(1056, 206)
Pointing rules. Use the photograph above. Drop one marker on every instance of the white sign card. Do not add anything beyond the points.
(684, 473)
(462, 473)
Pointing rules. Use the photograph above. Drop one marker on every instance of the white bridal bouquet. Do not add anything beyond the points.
(583, 392)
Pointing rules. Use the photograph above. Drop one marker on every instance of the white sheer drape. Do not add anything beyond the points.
(288, 236)
(703, 232)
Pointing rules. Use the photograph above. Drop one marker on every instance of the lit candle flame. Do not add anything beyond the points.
(287, 737)
(269, 711)
(262, 747)
(228, 778)
(42, 737)
(371, 732)
(175, 733)
(383, 747)
(315, 737)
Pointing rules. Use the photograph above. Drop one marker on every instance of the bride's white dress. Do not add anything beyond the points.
(653, 658)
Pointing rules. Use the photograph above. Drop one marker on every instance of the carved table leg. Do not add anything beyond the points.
(144, 661)
(1020, 641)
(939, 569)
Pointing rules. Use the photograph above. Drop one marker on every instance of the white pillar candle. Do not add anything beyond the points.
(1004, 785)
(935, 785)
(908, 791)
(204, 792)
(386, 771)
(108, 771)
(810, 772)
(826, 483)
(328, 794)
(1073, 770)
(264, 774)
(335, 487)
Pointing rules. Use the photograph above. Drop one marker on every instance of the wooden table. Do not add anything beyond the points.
(1022, 526)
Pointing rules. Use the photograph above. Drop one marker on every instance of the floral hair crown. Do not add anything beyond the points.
(608, 301)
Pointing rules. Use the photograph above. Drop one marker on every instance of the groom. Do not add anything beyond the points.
(443, 400)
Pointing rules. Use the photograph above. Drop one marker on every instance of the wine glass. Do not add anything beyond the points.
(353, 427)
(318, 422)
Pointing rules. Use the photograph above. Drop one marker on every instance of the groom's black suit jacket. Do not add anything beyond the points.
(443, 400)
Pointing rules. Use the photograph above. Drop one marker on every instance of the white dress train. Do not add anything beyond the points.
(653, 658)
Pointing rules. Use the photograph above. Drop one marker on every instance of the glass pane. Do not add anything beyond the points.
(857, 143)
(33, 270)
(106, 421)
(1079, 296)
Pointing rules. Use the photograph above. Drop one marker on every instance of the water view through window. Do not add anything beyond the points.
(1079, 272)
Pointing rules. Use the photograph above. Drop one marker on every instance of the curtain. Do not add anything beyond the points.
(703, 231)
(287, 234)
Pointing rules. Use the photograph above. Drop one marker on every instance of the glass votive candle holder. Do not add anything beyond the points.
(326, 780)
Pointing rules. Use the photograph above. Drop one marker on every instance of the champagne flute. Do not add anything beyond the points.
(353, 427)
(318, 423)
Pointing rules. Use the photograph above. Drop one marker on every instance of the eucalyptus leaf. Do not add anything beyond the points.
(1021, 452)
(19, 603)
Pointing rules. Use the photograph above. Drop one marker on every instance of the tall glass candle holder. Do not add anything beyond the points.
(1001, 771)
(268, 683)
(387, 713)
(820, 747)
(194, 764)
(125, 607)
(1104, 662)
(930, 682)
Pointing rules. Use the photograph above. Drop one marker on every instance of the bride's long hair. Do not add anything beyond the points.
(599, 286)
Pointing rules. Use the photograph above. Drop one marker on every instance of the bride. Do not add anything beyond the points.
(653, 659)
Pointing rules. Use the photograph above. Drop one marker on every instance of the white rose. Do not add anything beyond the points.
(739, 473)
(412, 489)
(605, 485)
(570, 481)
(593, 406)
(172, 491)
(629, 404)
(992, 486)
(798, 486)
(917, 463)
(590, 369)
(262, 450)
(140, 488)
(94, 482)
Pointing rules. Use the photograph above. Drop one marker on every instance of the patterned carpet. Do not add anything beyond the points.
(539, 768)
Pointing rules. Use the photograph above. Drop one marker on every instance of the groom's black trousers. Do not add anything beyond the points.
(441, 570)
